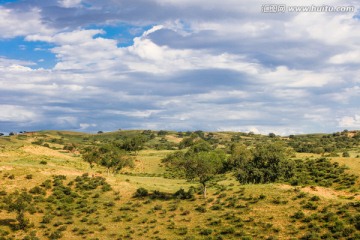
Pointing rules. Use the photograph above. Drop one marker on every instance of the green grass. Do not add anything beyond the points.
(231, 210)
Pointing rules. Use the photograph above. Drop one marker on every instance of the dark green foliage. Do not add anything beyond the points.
(31, 236)
(107, 155)
(356, 221)
(37, 190)
(186, 142)
(19, 202)
(201, 146)
(46, 184)
(201, 209)
(134, 144)
(310, 206)
(70, 147)
(299, 215)
(346, 154)
(29, 176)
(182, 194)
(160, 195)
(198, 163)
(162, 133)
(87, 183)
(319, 144)
(268, 163)
(55, 235)
(314, 198)
(331, 225)
(321, 172)
(141, 192)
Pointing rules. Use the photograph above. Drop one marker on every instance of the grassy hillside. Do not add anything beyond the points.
(47, 191)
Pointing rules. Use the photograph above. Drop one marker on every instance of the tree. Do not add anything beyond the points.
(268, 164)
(91, 155)
(201, 166)
(114, 159)
(107, 155)
(134, 144)
(272, 135)
(240, 156)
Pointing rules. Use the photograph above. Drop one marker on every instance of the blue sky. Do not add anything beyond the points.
(90, 65)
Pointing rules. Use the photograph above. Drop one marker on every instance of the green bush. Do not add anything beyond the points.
(182, 194)
(201, 209)
(141, 192)
(298, 215)
(206, 231)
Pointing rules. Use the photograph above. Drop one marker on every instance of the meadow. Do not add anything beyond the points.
(48, 191)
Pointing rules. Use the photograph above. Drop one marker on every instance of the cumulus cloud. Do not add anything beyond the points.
(17, 114)
(15, 23)
(350, 122)
(241, 70)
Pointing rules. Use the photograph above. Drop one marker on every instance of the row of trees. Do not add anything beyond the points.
(262, 164)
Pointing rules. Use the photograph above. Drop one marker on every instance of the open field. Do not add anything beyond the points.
(69, 200)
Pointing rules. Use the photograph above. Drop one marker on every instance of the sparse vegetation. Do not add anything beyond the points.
(306, 186)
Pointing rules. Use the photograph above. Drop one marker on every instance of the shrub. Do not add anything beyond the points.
(356, 221)
(37, 190)
(200, 209)
(158, 207)
(56, 235)
(141, 192)
(262, 196)
(46, 184)
(310, 206)
(160, 195)
(229, 230)
(182, 194)
(29, 176)
(206, 231)
(346, 154)
(298, 215)
(314, 198)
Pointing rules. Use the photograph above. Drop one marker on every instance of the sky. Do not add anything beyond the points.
(230, 65)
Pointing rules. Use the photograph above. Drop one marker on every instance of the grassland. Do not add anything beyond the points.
(70, 200)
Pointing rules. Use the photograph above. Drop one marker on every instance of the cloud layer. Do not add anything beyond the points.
(187, 65)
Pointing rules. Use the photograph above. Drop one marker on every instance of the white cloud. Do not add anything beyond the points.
(17, 114)
(15, 23)
(136, 114)
(84, 126)
(70, 3)
(246, 70)
(347, 57)
(299, 78)
(350, 121)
